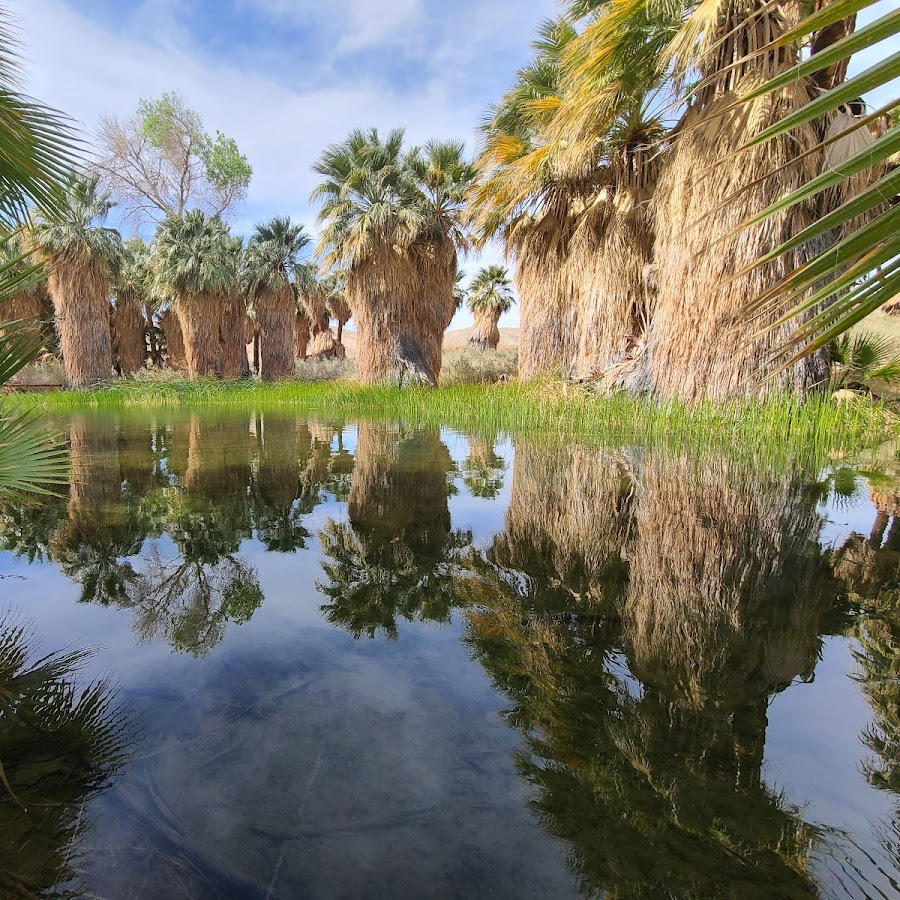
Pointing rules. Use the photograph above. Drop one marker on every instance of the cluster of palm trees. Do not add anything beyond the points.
(648, 249)
(195, 287)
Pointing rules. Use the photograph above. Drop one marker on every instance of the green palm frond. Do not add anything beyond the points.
(37, 144)
(859, 271)
(865, 356)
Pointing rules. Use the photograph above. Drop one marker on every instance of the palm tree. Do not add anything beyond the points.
(270, 261)
(82, 258)
(336, 303)
(29, 304)
(490, 296)
(392, 222)
(127, 323)
(233, 324)
(195, 268)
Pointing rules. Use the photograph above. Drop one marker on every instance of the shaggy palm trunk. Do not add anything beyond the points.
(548, 299)
(25, 307)
(302, 337)
(399, 302)
(80, 294)
(316, 313)
(199, 316)
(324, 346)
(276, 318)
(698, 345)
(232, 343)
(609, 257)
(171, 327)
(485, 335)
(129, 335)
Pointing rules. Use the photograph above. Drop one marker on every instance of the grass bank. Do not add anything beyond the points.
(814, 428)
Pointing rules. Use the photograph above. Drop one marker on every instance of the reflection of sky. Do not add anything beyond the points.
(316, 765)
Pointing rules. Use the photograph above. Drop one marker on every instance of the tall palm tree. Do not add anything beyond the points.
(392, 221)
(82, 257)
(195, 268)
(490, 296)
(127, 324)
(270, 260)
(522, 197)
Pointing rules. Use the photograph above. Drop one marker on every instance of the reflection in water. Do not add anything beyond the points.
(665, 603)
(638, 612)
(394, 558)
(59, 746)
(483, 469)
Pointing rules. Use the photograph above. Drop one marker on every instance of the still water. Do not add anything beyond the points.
(358, 659)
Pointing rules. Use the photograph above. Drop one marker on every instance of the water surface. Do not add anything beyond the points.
(364, 659)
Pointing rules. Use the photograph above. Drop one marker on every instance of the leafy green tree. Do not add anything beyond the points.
(161, 162)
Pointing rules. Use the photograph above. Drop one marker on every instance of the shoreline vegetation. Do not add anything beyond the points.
(782, 426)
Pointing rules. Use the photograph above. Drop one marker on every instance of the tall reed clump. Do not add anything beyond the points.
(489, 297)
(392, 226)
(127, 323)
(195, 266)
(82, 258)
(270, 263)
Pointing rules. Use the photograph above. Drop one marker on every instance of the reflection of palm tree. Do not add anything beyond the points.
(569, 521)
(656, 784)
(483, 469)
(728, 586)
(92, 545)
(277, 517)
(59, 746)
(393, 559)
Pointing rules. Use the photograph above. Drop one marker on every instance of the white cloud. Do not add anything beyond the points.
(88, 67)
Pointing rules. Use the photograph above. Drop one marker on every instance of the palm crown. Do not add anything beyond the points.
(75, 233)
(194, 253)
(272, 255)
(375, 194)
(490, 290)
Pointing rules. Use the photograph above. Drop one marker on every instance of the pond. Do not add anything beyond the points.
(363, 659)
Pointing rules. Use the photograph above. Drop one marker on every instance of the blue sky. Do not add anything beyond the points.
(284, 77)
(287, 77)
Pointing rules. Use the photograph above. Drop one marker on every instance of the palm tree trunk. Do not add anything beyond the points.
(276, 315)
(199, 317)
(485, 335)
(232, 346)
(81, 304)
(129, 340)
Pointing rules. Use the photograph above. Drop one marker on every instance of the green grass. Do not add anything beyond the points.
(816, 428)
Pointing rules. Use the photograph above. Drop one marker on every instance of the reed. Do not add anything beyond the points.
(780, 425)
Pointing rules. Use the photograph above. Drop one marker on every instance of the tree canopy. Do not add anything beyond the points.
(161, 162)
